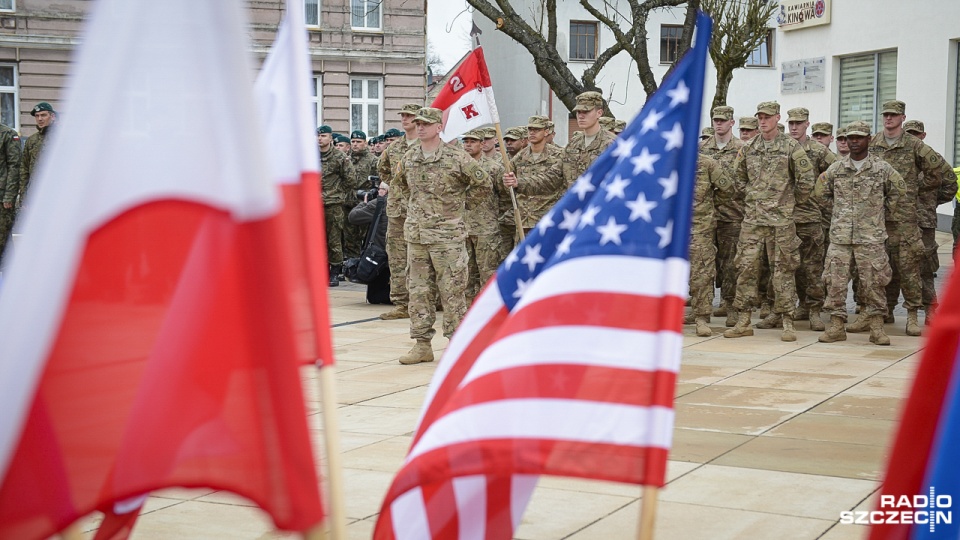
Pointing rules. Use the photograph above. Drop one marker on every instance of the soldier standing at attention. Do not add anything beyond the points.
(9, 181)
(537, 175)
(748, 128)
(585, 146)
(397, 213)
(434, 178)
(490, 144)
(842, 148)
(910, 157)
(774, 173)
(364, 166)
(822, 132)
(335, 181)
(482, 218)
(712, 179)
(728, 206)
(46, 118)
(516, 139)
(864, 189)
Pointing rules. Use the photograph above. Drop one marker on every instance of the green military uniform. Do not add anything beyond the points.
(31, 156)
(337, 178)
(712, 179)
(9, 181)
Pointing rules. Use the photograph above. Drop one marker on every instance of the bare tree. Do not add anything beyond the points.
(740, 26)
(538, 36)
(434, 62)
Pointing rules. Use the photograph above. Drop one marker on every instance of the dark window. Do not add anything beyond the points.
(762, 56)
(583, 40)
(669, 42)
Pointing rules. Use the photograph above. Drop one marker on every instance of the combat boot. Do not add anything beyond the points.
(722, 310)
(816, 323)
(801, 314)
(398, 312)
(703, 327)
(732, 316)
(421, 352)
(334, 270)
(928, 313)
(913, 325)
(877, 335)
(772, 320)
(742, 328)
(862, 324)
(835, 332)
(764, 310)
(789, 333)
(888, 318)
(689, 318)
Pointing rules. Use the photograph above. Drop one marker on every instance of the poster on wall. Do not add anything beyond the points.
(802, 76)
(797, 14)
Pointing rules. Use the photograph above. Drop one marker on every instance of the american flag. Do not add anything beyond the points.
(566, 364)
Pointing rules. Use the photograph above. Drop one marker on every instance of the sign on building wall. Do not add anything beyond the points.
(797, 14)
(802, 76)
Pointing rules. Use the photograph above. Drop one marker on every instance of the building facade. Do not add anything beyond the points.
(368, 57)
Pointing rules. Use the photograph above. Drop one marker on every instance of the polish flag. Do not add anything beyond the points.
(467, 98)
(146, 323)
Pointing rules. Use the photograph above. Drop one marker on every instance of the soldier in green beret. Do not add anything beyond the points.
(364, 166)
(46, 119)
(336, 179)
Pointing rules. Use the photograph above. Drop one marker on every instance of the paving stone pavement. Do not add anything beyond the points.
(772, 439)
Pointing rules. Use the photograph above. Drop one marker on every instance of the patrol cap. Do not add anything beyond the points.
(768, 107)
(749, 122)
(358, 135)
(619, 126)
(410, 108)
(489, 132)
(780, 128)
(798, 114)
(913, 126)
(859, 127)
(841, 132)
(894, 106)
(324, 129)
(392, 132)
(538, 122)
(42, 106)
(513, 133)
(606, 122)
(825, 128)
(475, 134)
(706, 132)
(429, 115)
(723, 112)
(588, 101)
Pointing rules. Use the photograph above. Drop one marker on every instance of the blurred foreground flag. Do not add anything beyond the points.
(145, 321)
(566, 363)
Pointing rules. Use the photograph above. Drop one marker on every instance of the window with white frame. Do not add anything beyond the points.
(311, 12)
(583, 40)
(866, 81)
(366, 14)
(366, 105)
(762, 56)
(316, 89)
(9, 96)
(956, 137)
(8, 5)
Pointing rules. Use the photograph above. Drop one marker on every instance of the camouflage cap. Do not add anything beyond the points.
(841, 133)
(588, 101)
(357, 134)
(798, 114)
(324, 129)
(768, 107)
(706, 132)
(514, 133)
(723, 112)
(826, 128)
(429, 115)
(914, 126)
(475, 134)
(859, 127)
(749, 122)
(607, 122)
(781, 129)
(42, 106)
(392, 133)
(538, 122)
(489, 132)
(619, 126)
(410, 108)
(522, 130)
(894, 106)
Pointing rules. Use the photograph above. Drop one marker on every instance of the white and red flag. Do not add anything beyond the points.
(146, 319)
(554, 370)
(467, 98)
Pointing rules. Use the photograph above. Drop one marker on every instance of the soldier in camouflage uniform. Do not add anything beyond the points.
(9, 181)
(607, 123)
(712, 180)
(822, 132)
(775, 174)
(864, 189)
(585, 146)
(808, 216)
(619, 126)
(927, 213)
(364, 166)
(728, 205)
(748, 128)
(537, 175)
(481, 217)
(46, 119)
(336, 180)
(910, 157)
(434, 178)
(516, 140)
(490, 144)
(397, 214)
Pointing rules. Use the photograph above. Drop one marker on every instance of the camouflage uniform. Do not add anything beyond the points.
(435, 188)
(808, 217)
(774, 176)
(336, 180)
(712, 180)
(482, 208)
(857, 231)
(396, 217)
(31, 155)
(578, 155)
(9, 181)
(364, 165)
(540, 183)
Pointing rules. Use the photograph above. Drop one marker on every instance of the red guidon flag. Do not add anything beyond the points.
(146, 319)
(467, 98)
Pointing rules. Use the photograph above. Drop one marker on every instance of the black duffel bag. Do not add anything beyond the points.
(373, 258)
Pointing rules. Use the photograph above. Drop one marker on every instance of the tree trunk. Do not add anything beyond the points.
(724, 76)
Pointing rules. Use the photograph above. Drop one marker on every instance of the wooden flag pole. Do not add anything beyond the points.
(72, 532)
(648, 512)
(507, 166)
(331, 436)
